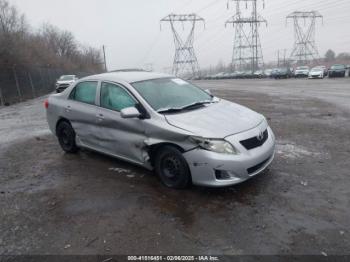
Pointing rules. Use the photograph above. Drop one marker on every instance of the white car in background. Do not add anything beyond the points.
(65, 81)
(302, 71)
(316, 72)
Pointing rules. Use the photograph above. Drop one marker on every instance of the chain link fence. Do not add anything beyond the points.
(19, 83)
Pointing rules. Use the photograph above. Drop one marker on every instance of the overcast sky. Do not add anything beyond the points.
(131, 30)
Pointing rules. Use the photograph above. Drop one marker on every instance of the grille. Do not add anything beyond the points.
(257, 167)
(255, 142)
(63, 85)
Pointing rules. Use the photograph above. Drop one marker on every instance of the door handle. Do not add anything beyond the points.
(68, 109)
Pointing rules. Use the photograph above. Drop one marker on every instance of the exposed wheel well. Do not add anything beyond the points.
(153, 149)
(62, 119)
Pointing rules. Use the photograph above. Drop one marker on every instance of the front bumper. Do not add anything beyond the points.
(301, 74)
(336, 73)
(205, 165)
(316, 76)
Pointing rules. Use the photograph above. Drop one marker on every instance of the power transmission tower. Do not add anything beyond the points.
(305, 49)
(247, 52)
(185, 60)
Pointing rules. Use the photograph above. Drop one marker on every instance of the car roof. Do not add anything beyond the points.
(129, 77)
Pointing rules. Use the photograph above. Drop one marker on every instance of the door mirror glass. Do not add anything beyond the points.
(130, 112)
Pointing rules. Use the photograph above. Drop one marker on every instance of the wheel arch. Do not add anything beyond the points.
(153, 149)
(60, 120)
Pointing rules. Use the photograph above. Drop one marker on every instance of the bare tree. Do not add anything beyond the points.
(48, 46)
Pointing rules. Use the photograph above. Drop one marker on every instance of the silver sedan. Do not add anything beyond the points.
(165, 124)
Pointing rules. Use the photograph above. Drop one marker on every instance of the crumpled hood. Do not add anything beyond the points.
(217, 120)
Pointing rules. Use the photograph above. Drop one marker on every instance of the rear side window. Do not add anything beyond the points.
(115, 98)
(85, 92)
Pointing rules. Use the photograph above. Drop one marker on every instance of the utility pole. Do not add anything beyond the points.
(284, 57)
(104, 58)
(279, 63)
(247, 52)
(185, 60)
(305, 49)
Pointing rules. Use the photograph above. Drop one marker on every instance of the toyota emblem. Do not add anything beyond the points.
(260, 137)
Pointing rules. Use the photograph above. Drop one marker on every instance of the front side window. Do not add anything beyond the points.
(166, 93)
(85, 92)
(115, 98)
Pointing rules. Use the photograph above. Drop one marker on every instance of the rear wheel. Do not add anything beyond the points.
(172, 168)
(66, 137)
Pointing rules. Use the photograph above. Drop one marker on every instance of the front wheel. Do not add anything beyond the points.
(172, 168)
(66, 137)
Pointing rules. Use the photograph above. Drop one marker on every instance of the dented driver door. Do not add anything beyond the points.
(118, 136)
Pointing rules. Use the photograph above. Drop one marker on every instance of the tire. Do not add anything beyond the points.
(172, 168)
(66, 137)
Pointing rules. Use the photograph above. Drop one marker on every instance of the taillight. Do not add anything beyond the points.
(46, 103)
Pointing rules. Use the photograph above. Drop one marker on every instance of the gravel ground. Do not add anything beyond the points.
(54, 203)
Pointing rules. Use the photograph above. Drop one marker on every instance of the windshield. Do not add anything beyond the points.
(66, 78)
(170, 93)
(338, 67)
(316, 69)
(302, 68)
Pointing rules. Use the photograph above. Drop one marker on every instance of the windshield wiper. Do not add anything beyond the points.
(190, 106)
(196, 104)
(169, 110)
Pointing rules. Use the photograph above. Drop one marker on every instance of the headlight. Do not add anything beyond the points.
(215, 145)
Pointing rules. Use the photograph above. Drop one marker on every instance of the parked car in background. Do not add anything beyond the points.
(267, 72)
(248, 74)
(165, 124)
(337, 70)
(324, 68)
(239, 74)
(316, 72)
(65, 81)
(302, 71)
(284, 72)
(274, 73)
(259, 74)
(219, 75)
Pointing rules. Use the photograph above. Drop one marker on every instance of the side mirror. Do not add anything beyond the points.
(130, 112)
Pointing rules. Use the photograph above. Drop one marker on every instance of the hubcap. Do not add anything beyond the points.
(171, 167)
(65, 137)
